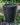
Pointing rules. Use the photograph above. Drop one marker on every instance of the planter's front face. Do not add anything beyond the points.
(10, 11)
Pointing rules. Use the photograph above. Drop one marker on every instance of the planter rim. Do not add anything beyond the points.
(10, 5)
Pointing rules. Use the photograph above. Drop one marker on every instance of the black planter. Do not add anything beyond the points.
(10, 12)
